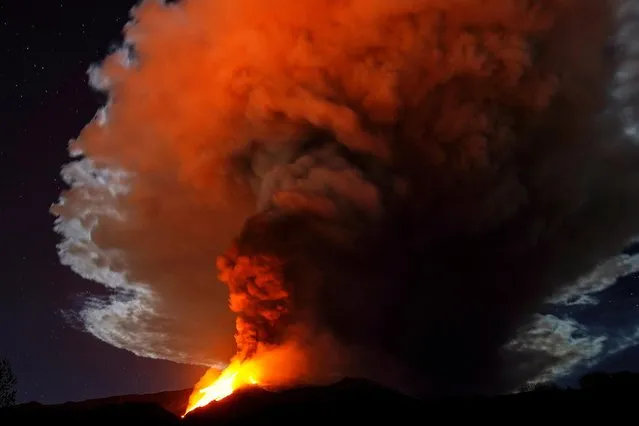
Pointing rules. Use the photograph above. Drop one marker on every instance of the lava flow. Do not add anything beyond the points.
(236, 376)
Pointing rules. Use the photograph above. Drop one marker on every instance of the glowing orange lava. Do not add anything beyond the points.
(236, 376)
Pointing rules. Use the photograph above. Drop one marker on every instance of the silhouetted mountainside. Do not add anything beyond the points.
(300, 405)
(172, 403)
(350, 399)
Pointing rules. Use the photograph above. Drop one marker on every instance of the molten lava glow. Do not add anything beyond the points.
(269, 368)
(237, 375)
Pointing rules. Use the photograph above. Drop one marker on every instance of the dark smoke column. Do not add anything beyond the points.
(321, 222)
(422, 253)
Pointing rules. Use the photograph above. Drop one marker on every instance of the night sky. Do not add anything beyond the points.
(46, 48)
(45, 101)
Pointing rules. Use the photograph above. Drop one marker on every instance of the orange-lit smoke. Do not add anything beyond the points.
(412, 178)
(257, 293)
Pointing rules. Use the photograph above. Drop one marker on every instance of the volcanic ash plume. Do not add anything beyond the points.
(391, 188)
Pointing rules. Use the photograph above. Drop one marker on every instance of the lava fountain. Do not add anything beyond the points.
(270, 367)
(236, 376)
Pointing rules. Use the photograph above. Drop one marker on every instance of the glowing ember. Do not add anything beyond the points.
(236, 376)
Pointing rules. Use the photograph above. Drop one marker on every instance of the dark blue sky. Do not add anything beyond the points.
(46, 48)
(616, 316)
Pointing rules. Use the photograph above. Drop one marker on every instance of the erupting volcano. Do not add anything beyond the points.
(236, 376)
(402, 184)
(257, 296)
(248, 283)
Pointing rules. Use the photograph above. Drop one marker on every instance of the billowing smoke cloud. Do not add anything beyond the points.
(412, 179)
